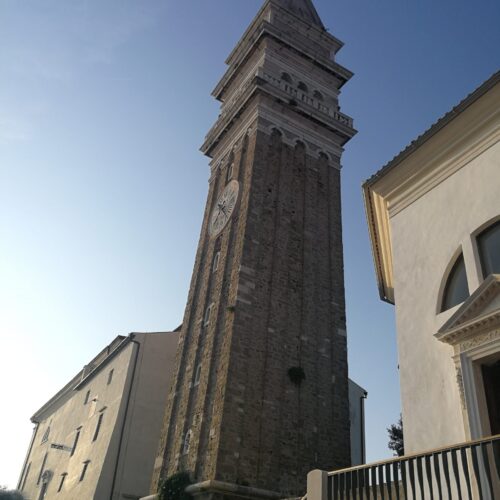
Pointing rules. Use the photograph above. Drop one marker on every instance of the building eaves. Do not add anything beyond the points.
(436, 127)
(85, 374)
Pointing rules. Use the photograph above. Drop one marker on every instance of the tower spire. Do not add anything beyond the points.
(304, 9)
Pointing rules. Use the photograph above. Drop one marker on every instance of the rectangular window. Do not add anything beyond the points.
(41, 469)
(87, 397)
(110, 376)
(98, 426)
(75, 442)
(84, 470)
(197, 375)
(63, 477)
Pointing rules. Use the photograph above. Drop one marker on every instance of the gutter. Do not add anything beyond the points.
(130, 339)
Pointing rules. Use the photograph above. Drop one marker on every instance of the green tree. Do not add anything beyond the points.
(396, 438)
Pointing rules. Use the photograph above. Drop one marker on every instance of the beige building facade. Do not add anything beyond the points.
(97, 437)
(434, 220)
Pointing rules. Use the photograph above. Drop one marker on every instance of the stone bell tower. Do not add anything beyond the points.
(260, 396)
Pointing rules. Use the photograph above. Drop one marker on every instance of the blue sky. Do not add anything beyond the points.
(104, 105)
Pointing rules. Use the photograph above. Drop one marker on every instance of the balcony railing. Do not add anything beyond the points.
(468, 471)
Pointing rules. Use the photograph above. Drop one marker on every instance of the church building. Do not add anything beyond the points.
(260, 390)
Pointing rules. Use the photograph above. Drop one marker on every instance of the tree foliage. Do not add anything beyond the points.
(174, 487)
(396, 438)
(6, 494)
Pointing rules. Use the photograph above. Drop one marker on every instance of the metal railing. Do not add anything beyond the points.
(468, 471)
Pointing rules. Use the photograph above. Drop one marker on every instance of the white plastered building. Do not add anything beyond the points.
(434, 221)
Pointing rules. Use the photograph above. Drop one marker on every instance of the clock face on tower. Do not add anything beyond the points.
(224, 208)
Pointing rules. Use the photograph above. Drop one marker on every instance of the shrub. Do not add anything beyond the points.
(174, 487)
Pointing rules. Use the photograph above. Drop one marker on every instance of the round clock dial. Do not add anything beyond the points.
(224, 208)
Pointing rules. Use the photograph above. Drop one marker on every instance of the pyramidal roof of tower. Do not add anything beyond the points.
(304, 9)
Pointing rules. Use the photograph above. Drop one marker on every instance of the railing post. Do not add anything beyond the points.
(317, 485)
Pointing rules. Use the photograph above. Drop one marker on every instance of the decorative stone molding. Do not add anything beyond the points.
(477, 319)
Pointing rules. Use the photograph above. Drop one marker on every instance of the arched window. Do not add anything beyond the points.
(456, 289)
(286, 77)
(318, 95)
(302, 86)
(488, 243)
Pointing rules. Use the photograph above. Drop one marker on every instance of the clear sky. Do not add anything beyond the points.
(103, 106)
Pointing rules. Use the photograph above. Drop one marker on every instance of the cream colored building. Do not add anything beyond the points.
(434, 221)
(97, 437)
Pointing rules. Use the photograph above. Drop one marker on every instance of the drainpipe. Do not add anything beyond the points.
(127, 404)
(362, 408)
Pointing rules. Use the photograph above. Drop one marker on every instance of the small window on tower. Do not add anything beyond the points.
(318, 95)
(197, 375)
(187, 442)
(208, 313)
(110, 376)
(302, 86)
(215, 264)
(286, 77)
(230, 170)
(87, 397)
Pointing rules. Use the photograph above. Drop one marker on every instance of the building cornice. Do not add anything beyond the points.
(460, 136)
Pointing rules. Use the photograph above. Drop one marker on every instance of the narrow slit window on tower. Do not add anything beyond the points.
(187, 442)
(208, 313)
(84, 469)
(456, 289)
(230, 170)
(197, 375)
(215, 264)
(87, 397)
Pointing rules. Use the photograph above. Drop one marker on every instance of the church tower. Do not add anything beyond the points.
(260, 396)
